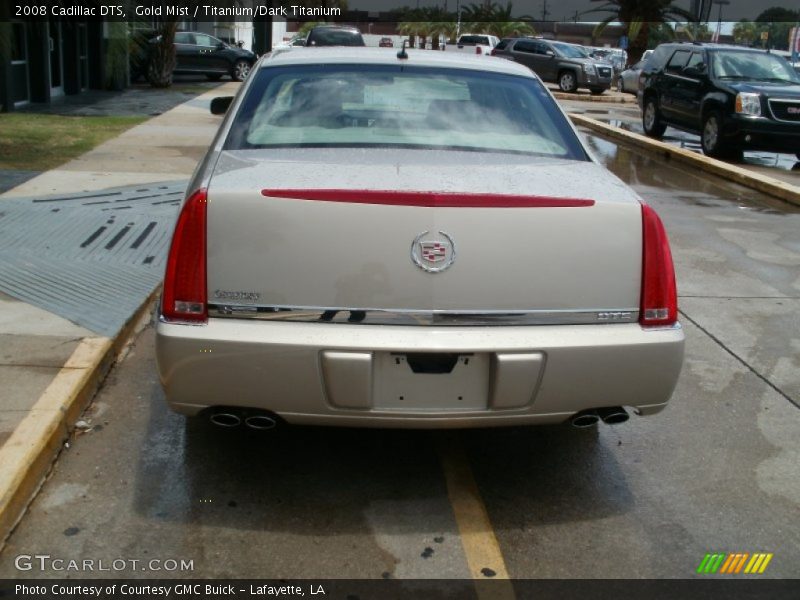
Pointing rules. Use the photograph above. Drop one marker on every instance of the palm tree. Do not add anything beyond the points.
(504, 29)
(638, 16)
(411, 29)
(745, 32)
(495, 19)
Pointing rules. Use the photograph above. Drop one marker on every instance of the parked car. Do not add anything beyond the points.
(474, 43)
(558, 62)
(616, 57)
(628, 80)
(734, 98)
(202, 53)
(386, 42)
(334, 35)
(343, 260)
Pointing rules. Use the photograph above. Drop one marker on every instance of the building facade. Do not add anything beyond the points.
(47, 59)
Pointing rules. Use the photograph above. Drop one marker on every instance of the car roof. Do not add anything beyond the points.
(388, 56)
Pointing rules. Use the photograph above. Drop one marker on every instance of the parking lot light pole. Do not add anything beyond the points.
(721, 3)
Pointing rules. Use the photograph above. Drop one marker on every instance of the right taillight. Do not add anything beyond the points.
(659, 305)
(184, 295)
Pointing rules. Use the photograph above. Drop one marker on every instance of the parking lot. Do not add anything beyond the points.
(628, 116)
(715, 472)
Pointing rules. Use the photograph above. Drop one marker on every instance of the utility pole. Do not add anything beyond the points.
(545, 12)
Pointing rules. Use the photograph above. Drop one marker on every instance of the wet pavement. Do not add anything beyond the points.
(715, 472)
(785, 167)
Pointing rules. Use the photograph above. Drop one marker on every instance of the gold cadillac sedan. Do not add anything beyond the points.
(390, 239)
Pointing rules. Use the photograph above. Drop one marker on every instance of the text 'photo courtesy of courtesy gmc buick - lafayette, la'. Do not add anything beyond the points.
(412, 239)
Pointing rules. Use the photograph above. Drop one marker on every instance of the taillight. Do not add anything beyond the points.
(478, 50)
(659, 306)
(184, 295)
(493, 52)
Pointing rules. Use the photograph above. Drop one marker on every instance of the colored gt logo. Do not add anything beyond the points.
(433, 255)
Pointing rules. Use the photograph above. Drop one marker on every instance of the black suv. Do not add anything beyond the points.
(194, 53)
(734, 98)
(201, 53)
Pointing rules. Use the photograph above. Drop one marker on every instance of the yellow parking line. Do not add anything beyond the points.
(484, 559)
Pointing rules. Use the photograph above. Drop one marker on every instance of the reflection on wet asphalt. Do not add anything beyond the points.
(781, 165)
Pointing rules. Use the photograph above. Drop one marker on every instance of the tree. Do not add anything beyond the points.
(161, 59)
(746, 32)
(639, 16)
(660, 33)
(778, 22)
(511, 29)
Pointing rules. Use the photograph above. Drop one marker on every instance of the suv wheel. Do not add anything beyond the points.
(711, 135)
(241, 70)
(567, 81)
(651, 119)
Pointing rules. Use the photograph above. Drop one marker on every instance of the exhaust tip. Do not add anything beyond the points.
(228, 420)
(613, 415)
(585, 419)
(260, 422)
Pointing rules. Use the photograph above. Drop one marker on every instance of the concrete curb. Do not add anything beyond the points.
(28, 455)
(592, 98)
(774, 187)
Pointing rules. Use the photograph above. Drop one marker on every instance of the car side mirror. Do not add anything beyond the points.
(220, 105)
(549, 53)
(221, 46)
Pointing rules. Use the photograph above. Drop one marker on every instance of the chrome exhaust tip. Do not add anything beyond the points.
(587, 418)
(612, 415)
(260, 422)
(227, 420)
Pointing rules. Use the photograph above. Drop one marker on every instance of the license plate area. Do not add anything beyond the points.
(435, 382)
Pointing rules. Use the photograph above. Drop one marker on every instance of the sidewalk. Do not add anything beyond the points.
(104, 251)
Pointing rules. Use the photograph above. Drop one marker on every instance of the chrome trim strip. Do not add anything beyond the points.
(783, 101)
(455, 318)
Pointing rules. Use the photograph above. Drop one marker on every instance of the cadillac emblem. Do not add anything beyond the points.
(433, 253)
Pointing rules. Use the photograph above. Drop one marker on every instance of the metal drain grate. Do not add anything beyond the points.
(91, 258)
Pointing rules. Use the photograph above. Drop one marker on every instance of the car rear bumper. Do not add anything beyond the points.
(358, 375)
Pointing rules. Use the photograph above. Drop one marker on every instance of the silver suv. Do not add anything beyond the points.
(558, 62)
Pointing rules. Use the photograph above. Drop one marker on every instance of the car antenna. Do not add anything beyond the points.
(403, 54)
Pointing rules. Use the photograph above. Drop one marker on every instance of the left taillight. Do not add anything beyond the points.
(184, 296)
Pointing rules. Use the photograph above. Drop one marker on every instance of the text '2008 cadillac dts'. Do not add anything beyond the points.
(412, 240)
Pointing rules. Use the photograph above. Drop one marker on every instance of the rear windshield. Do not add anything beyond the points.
(473, 40)
(400, 106)
(334, 37)
(569, 51)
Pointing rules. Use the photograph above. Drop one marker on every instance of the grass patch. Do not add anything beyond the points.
(35, 142)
